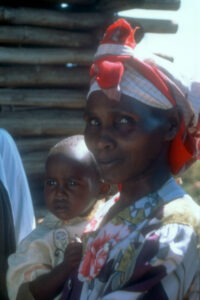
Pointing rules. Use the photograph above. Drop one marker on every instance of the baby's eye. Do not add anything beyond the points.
(72, 183)
(50, 182)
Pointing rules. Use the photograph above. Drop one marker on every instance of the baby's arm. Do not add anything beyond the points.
(49, 285)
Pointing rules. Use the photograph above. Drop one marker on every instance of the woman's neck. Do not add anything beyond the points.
(148, 182)
(142, 185)
(137, 188)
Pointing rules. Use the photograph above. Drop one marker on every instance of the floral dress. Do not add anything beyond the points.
(147, 251)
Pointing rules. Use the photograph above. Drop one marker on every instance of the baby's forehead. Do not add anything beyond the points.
(69, 152)
(79, 159)
(76, 141)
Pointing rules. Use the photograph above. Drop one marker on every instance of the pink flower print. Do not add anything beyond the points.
(98, 250)
(92, 225)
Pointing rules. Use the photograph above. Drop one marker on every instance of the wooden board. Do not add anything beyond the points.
(30, 35)
(43, 122)
(33, 144)
(66, 98)
(34, 163)
(119, 5)
(52, 18)
(154, 25)
(41, 56)
(43, 76)
(100, 4)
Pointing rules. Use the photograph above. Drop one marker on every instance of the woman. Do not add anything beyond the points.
(142, 127)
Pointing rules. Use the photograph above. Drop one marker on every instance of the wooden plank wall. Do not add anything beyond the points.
(45, 54)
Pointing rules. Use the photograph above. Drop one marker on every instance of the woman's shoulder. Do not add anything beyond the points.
(102, 210)
(183, 210)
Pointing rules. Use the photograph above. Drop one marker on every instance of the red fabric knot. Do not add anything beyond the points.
(120, 32)
(108, 74)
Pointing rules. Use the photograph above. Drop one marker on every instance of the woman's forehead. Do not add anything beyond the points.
(98, 100)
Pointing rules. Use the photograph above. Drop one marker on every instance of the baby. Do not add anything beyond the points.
(43, 261)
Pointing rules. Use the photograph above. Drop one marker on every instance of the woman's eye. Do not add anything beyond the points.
(124, 121)
(94, 122)
(50, 182)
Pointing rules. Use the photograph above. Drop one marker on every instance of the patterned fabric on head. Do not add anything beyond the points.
(119, 69)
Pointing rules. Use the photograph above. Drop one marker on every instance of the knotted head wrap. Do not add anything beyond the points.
(119, 69)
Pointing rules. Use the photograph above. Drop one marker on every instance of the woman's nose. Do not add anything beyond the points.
(105, 141)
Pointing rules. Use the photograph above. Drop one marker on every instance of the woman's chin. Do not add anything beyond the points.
(112, 177)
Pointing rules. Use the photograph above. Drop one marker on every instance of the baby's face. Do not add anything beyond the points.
(126, 136)
(69, 186)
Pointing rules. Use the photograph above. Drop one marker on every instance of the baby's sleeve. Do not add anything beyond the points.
(32, 259)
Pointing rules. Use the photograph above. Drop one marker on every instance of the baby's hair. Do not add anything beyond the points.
(78, 143)
(71, 141)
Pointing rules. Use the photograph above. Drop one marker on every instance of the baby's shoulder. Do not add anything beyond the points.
(41, 233)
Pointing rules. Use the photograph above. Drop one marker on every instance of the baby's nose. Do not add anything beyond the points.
(61, 189)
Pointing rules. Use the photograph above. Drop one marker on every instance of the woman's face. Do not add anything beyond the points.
(126, 136)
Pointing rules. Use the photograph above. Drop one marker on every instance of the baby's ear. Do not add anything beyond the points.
(174, 120)
(104, 189)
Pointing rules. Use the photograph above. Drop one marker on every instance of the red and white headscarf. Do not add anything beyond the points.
(118, 69)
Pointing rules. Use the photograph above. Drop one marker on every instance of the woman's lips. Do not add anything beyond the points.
(108, 162)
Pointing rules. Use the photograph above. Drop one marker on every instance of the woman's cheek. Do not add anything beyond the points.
(90, 138)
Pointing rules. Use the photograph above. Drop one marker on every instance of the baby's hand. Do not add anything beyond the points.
(73, 255)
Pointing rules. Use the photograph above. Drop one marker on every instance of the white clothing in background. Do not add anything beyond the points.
(14, 179)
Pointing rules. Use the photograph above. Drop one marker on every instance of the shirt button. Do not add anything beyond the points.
(69, 284)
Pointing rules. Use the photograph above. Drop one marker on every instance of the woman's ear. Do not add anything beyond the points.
(174, 119)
